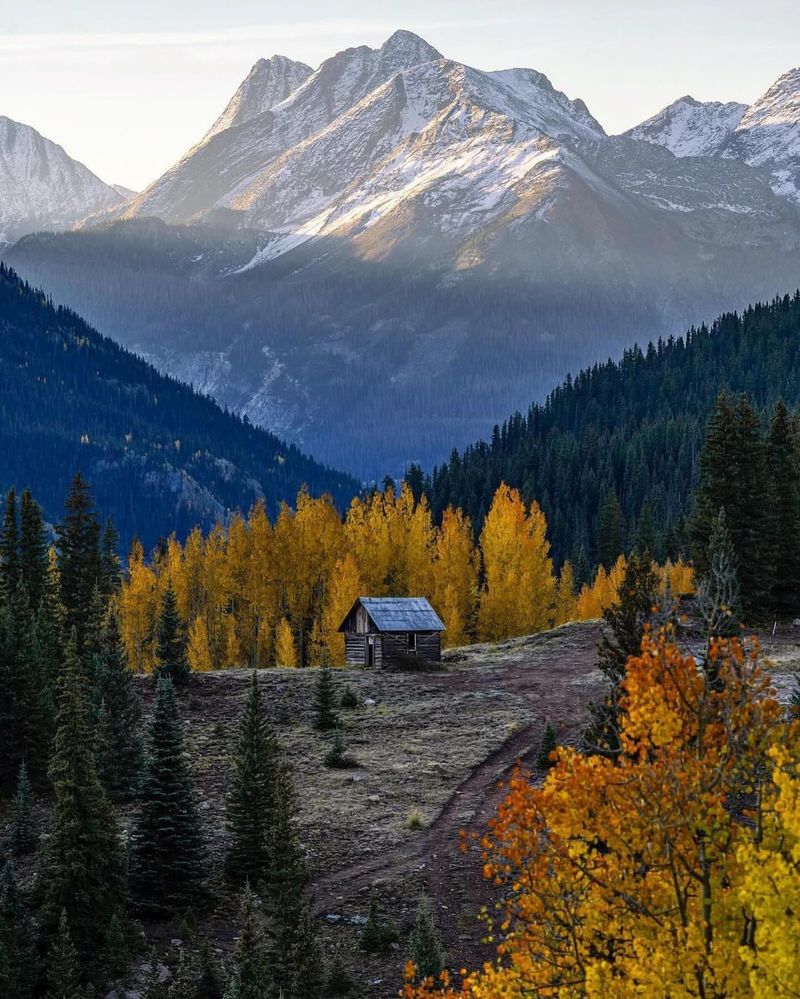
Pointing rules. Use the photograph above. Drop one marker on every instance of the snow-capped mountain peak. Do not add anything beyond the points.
(691, 128)
(269, 82)
(41, 187)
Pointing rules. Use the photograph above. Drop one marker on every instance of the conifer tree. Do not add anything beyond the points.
(110, 566)
(24, 829)
(25, 716)
(626, 619)
(610, 531)
(77, 543)
(171, 657)
(250, 976)
(153, 987)
(82, 867)
(287, 874)
(9, 548)
(325, 717)
(733, 475)
(18, 959)
(32, 549)
(305, 966)
(783, 452)
(64, 975)
(251, 801)
(117, 712)
(426, 945)
(168, 850)
(184, 984)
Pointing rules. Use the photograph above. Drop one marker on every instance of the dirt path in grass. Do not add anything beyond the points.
(555, 675)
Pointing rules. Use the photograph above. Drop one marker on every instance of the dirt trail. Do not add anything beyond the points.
(556, 678)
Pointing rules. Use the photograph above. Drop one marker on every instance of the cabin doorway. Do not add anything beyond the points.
(370, 652)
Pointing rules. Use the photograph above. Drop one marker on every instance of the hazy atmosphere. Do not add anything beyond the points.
(127, 88)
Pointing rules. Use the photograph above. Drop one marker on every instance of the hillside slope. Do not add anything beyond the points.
(159, 456)
(632, 429)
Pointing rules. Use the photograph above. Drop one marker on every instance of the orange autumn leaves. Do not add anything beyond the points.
(674, 871)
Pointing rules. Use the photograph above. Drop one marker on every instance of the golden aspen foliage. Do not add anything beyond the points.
(678, 576)
(669, 871)
(519, 589)
(455, 577)
(566, 604)
(198, 651)
(344, 585)
(139, 606)
(285, 650)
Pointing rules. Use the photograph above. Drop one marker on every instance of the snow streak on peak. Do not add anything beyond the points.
(269, 82)
(41, 186)
(691, 128)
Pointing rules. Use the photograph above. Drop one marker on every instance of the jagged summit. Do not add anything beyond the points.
(41, 186)
(269, 82)
(688, 127)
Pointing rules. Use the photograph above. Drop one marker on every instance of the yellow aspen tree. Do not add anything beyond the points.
(138, 607)
(455, 577)
(369, 538)
(418, 546)
(261, 588)
(566, 604)
(285, 650)
(199, 650)
(344, 585)
(519, 589)
(229, 642)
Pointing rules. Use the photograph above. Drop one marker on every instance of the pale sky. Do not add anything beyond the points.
(127, 87)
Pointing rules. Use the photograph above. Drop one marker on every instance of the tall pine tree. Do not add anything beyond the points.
(251, 801)
(117, 712)
(783, 454)
(171, 644)
(78, 546)
(82, 869)
(168, 862)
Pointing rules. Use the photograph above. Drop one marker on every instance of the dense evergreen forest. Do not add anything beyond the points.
(613, 455)
(160, 456)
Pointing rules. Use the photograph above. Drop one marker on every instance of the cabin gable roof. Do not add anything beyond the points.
(398, 614)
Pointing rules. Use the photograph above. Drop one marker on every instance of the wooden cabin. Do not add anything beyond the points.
(389, 631)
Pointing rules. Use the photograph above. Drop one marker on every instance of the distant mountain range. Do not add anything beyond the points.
(382, 257)
(159, 457)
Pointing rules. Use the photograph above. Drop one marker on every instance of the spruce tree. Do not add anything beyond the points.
(18, 959)
(250, 977)
(77, 543)
(24, 829)
(610, 531)
(64, 974)
(171, 645)
(168, 850)
(32, 549)
(82, 865)
(117, 712)
(251, 800)
(110, 566)
(9, 548)
(734, 475)
(783, 453)
(325, 717)
(184, 982)
(25, 705)
(287, 874)
(426, 945)
(626, 619)
(305, 967)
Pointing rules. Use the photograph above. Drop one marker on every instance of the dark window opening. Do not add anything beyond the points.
(412, 641)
